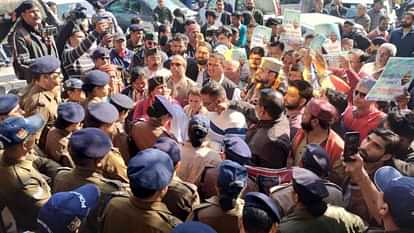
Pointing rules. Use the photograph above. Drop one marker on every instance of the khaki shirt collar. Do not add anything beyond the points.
(149, 205)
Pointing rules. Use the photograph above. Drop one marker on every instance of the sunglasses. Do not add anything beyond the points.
(176, 64)
(361, 94)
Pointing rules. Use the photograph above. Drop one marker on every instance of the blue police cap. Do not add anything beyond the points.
(73, 83)
(232, 176)
(263, 202)
(92, 143)
(316, 159)
(122, 101)
(170, 107)
(100, 52)
(71, 112)
(136, 28)
(64, 212)
(236, 149)
(8, 103)
(150, 169)
(398, 194)
(308, 185)
(192, 227)
(199, 126)
(103, 112)
(45, 65)
(14, 130)
(96, 78)
(169, 146)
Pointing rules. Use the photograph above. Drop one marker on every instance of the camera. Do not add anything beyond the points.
(78, 13)
(48, 30)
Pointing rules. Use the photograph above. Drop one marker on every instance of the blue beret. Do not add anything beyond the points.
(71, 112)
(170, 107)
(100, 52)
(96, 78)
(66, 210)
(73, 83)
(8, 103)
(150, 169)
(136, 27)
(122, 101)
(170, 147)
(92, 143)
(308, 185)
(316, 159)
(232, 176)
(236, 149)
(14, 130)
(45, 65)
(103, 112)
(263, 202)
(198, 126)
(192, 227)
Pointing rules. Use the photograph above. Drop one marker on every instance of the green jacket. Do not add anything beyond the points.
(335, 220)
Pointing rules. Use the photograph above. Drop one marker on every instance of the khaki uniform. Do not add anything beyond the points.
(335, 220)
(144, 134)
(130, 215)
(120, 141)
(113, 166)
(23, 190)
(45, 103)
(181, 198)
(57, 142)
(78, 176)
(210, 213)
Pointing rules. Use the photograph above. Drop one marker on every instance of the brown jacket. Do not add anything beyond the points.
(57, 142)
(145, 133)
(113, 166)
(134, 216)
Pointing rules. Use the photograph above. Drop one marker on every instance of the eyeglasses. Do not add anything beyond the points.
(176, 64)
(361, 94)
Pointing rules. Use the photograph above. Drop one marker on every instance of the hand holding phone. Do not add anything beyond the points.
(351, 145)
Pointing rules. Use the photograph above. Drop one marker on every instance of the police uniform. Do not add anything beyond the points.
(193, 226)
(58, 139)
(89, 143)
(39, 100)
(8, 103)
(231, 175)
(23, 188)
(94, 78)
(150, 169)
(181, 197)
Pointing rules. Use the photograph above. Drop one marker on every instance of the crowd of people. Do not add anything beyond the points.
(163, 131)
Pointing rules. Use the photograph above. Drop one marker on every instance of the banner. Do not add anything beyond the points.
(397, 75)
(292, 34)
(334, 59)
(261, 36)
(331, 32)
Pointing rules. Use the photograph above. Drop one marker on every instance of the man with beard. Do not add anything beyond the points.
(376, 150)
(178, 46)
(297, 96)
(136, 36)
(381, 30)
(202, 55)
(403, 38)
(317, 119)
(385, 51)
(257, 14)
(363, 115)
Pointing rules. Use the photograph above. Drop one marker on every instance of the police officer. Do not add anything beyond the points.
(120, 138)
(192, 227)
(9, 106)
(70, 117)
(222, 212)
(41, 97)
(104, 115)
(235, 149)
(95, 86)
(88, 147)
(24, 190)
(150, 172)
(181, 197)
(73, 90)
(311, 213)
(30, 40)
(260, 214)
(316, 160)
(66, 211)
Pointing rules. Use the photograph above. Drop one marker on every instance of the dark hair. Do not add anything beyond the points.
(324, 124)
(226, 31)
(189, 22)
(338, 99)
(234, 30)
(218, 56)
(213, 89)
(205, 44)
(272, 102)
(61, 123)
(142, 193)
(304, 87)
(313, 204)
(391, 139)
(136, 20)
(180, 37)
(256, 220)
(278, 44)
(383, 17)
(228, 200)
(402, 123)
(309, 36)
(197, 135)
(118, 107)
(162, 28)
(258, 50)
(157, 110)
(151, 52)
(92, 122)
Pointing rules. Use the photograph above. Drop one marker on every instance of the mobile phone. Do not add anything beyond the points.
(351, 145)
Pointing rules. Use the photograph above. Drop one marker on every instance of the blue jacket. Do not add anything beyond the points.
(405, 45)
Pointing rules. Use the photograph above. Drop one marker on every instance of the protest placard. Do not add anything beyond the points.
(292, 33)
(331, 32)
(397, 72)
(317, 42)
(334, 59)
(261, 36)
